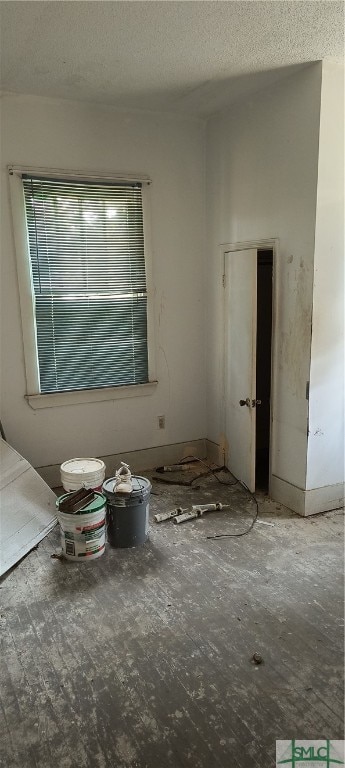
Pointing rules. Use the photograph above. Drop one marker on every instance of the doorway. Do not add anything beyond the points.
(263, 368)
(248, 330)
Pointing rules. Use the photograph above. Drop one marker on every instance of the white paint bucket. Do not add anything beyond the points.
(82, 473)
(83, 534)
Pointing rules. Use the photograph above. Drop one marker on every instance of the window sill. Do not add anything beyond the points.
(54, 399)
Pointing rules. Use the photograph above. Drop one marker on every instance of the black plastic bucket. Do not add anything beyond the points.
(128, 515)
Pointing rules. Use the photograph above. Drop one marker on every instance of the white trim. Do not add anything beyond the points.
(147, 224)
(139, 461)
(25, 283)
(27, 298)
(55, 399)
(274, 356)
(271, 244)
(287, 494)
(324, 499)
(249, 244)
(215, 453)
(310, 502)
(63, 173)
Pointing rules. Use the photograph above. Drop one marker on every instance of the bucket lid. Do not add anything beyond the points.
(82, 466)
(95, 505)
(139, 484)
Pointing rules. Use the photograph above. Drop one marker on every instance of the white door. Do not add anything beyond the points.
(240, 363)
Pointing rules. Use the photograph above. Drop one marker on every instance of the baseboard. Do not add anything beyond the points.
(215, 453)
(148, 458)
(309, 502)
(323, 499)
(303, 502)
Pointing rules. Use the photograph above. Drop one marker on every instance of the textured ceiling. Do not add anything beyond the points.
(188, 57)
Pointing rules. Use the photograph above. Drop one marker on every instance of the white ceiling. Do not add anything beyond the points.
(188, 57)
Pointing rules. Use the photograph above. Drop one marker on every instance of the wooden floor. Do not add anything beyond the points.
(142, 659)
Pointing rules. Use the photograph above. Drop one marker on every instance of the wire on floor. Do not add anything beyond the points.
(251, 526)
(211, 471)
(236, 482)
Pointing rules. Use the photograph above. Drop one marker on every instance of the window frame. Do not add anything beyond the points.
(34, 397)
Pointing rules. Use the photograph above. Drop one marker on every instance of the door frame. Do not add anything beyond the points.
(269, 244)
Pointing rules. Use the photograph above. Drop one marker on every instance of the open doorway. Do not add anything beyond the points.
(263, 367)
(249, 286)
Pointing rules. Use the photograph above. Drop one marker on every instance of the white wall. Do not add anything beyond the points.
(261, 183)
(326, 417)
(73, 135)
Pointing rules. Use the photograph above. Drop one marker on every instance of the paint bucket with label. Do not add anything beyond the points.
(82, 473)
(83, 533)
(128, 515)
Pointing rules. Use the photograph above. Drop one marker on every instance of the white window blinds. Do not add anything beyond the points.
(86, 247)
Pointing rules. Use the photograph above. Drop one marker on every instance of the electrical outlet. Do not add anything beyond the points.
(161, 422)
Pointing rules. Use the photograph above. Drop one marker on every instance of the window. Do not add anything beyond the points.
(85, 247)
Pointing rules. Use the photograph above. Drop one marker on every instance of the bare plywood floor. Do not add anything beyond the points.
(142, 659)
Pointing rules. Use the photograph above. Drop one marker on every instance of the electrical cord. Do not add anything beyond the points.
(236, 482)
(211, 471)
(214, 472)
(190, 483)
(242, 533)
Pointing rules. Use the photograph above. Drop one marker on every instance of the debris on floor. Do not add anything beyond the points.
(227, 484)
(175, 481)
(161, 517)
(196, 469)
(176, 468)
(168, 631)
(198, 511)
(181, 515)
(58, 555)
